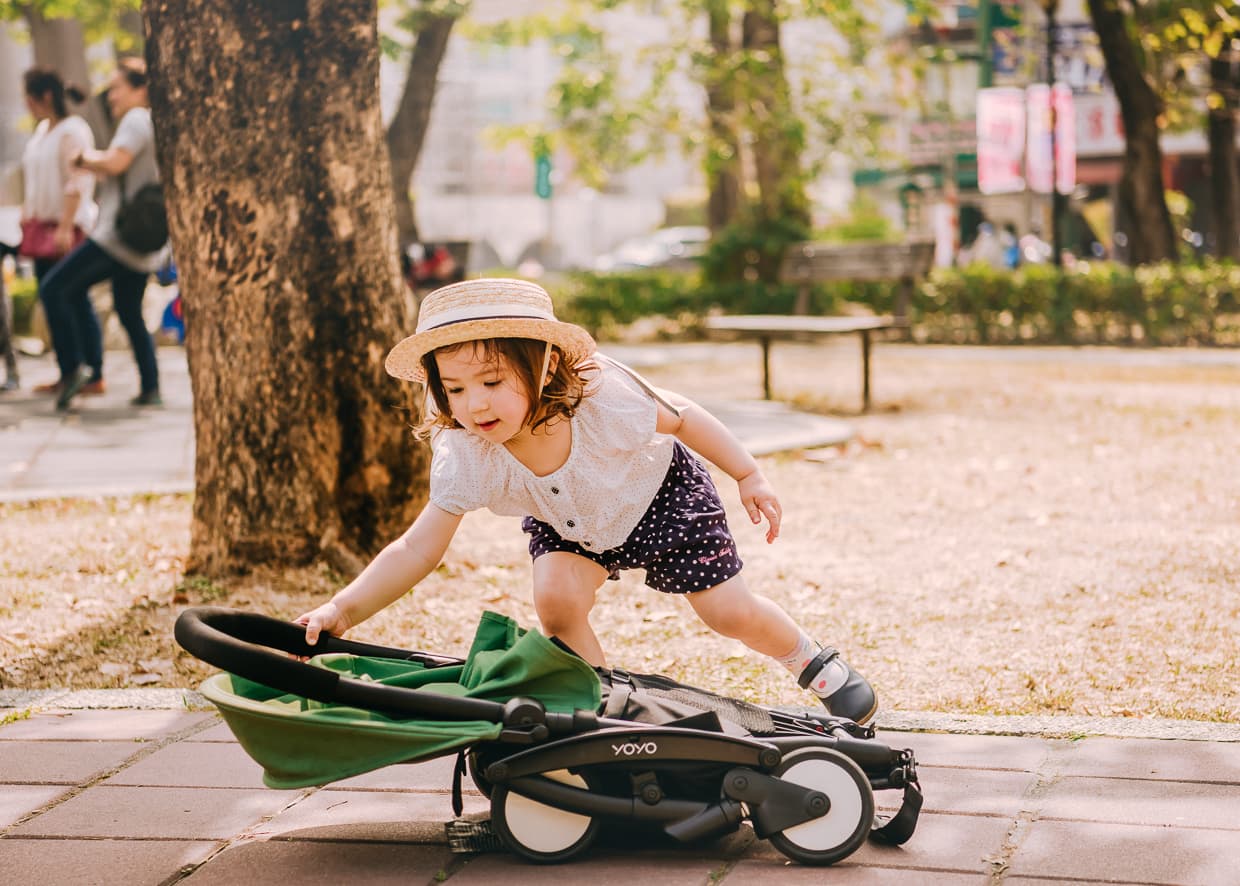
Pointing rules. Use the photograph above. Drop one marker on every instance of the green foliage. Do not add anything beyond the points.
(100, 19)
(200, 589)
(1091, 303)
(750, 250)
(1176, 39)
(414, 16)
(596, 112)
(865, 223)
(604, 303)
(610, 108)
(15, 716)
(25, 294)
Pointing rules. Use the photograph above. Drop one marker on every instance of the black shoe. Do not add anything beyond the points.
(855, 700)
(71, 388)
(10, 384)
(147, 398)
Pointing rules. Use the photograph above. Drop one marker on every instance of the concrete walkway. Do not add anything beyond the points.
(105, 446)
(143, 787)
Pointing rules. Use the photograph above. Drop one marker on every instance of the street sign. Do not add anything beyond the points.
(542, 176)
(1038, 156)
(1000, 140)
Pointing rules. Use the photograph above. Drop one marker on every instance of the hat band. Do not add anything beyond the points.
(483, 318)
(487, 317)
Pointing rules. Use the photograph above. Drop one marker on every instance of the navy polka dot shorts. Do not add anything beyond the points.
(682, 541)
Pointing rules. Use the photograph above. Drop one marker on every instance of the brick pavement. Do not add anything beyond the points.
(140, 787)
(157, 792)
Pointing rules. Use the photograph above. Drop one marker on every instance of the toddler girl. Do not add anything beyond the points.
(529, 420)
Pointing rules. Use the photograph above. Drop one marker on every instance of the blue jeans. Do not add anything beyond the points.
(60, 330)
(65, 297)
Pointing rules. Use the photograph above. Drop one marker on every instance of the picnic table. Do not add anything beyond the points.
(809, 263)
(766, 328)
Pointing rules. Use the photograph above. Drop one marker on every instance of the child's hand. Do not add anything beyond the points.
(759, 499)
(327, 617)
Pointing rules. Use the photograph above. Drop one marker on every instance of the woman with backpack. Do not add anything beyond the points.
(126, 168)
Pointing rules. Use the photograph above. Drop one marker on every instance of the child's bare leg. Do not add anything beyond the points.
(564, 589)
(731, 609)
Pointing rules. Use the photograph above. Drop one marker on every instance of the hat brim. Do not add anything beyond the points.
(405, 360)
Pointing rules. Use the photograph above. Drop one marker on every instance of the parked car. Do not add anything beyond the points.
(674, 247)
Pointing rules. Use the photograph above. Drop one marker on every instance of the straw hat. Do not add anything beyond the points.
(485, 308)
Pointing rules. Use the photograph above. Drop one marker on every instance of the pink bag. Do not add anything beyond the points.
(39, 239)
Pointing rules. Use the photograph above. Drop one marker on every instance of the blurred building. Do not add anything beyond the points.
(1003, 43)
(13, 56)
(469, 187)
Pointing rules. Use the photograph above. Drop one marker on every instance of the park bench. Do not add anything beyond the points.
(809, 263)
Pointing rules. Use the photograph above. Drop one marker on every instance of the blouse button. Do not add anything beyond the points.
(570, 524)
(555, 490)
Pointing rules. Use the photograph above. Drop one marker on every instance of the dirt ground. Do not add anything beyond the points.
(1011, 531)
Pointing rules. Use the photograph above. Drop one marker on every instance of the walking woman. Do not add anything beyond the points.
(127, 164)
(58, 208)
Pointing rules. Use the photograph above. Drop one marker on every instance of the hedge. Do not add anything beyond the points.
(25, 294)
(1090, 303)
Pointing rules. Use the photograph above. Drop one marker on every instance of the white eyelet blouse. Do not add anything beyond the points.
(596, 498)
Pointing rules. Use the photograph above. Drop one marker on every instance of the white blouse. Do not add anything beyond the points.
(47, 167)
(596, 498)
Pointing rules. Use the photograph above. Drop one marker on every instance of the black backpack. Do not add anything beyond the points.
(142, 222)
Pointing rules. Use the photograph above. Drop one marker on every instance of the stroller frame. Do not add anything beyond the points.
(553, 778)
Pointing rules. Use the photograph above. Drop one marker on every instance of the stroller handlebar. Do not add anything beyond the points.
(242, 643)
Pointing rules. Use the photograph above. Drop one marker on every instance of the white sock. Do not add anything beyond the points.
(832, 676)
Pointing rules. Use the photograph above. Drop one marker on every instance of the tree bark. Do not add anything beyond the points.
(60, 44)
(777, 132)
(723, 156)
(269, 137)
(1221, 132)
(1141, 189)
(407, 131)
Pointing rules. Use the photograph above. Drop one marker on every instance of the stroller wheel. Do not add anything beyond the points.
(539, 832)
(844, 828)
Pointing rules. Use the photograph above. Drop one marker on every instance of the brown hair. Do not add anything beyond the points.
(41, 82)
(560, 397)
(133, 69)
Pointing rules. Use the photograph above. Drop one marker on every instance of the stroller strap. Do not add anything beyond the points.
(897, 829)
(617, 699)
(458, 771)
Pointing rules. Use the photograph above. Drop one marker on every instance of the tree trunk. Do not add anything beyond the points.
(1141, 188)
(60, 44)
(723, 156)
(269, 136)
(407, 131)
(782, 211)
(777, 132)
(1221, 130)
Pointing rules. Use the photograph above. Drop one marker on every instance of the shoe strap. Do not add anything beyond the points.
(816, 664)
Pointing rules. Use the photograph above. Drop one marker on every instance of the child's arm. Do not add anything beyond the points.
(397, 568)
(706, 435)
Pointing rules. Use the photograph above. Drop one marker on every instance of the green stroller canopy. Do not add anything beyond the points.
(300, 742)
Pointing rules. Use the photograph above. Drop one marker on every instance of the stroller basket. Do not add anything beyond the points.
(557, 746)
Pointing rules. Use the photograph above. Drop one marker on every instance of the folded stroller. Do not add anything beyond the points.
(559, 747)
